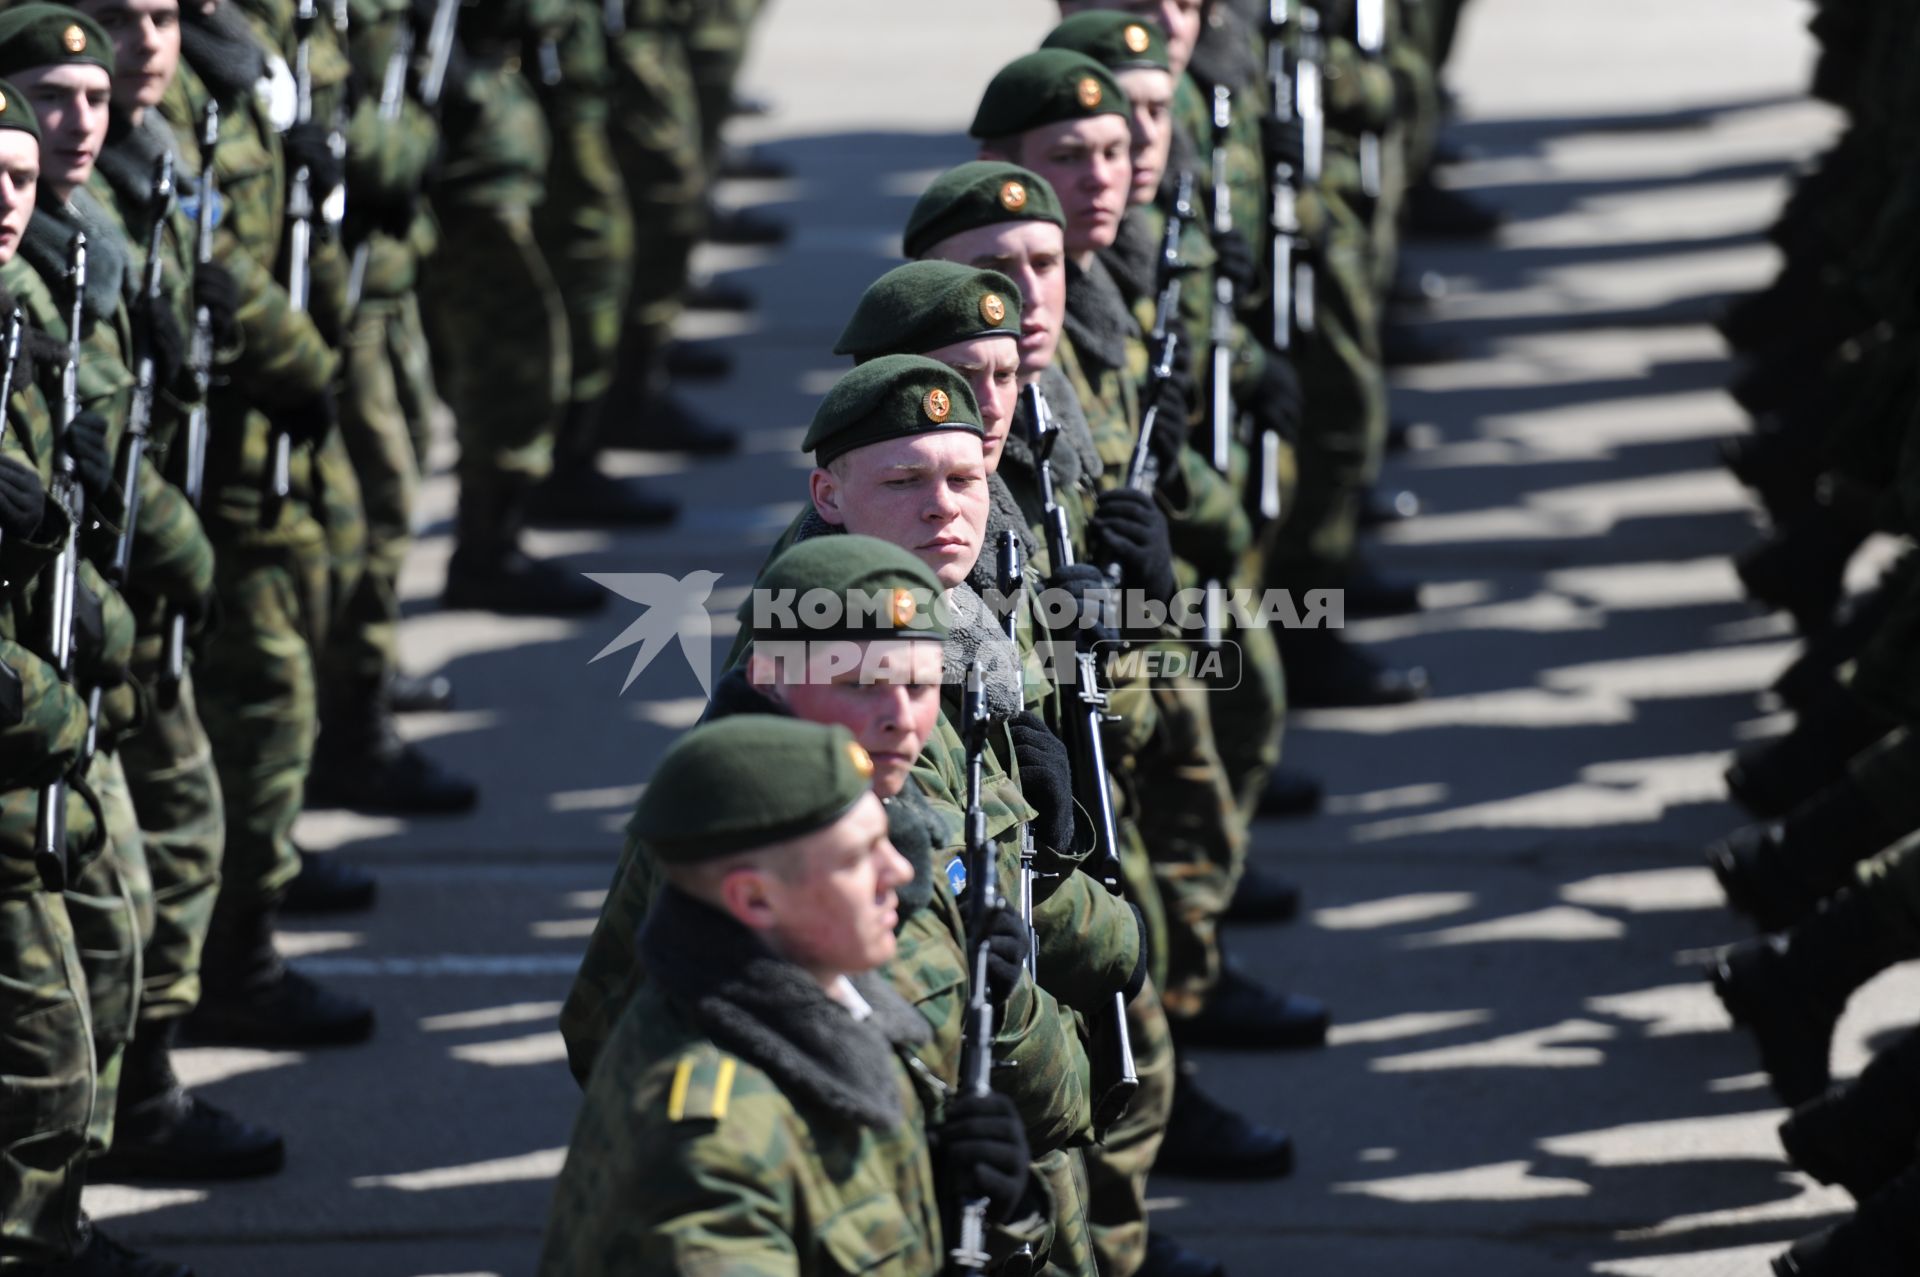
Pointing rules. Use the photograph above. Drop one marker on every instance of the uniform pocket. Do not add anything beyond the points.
(866, 1237)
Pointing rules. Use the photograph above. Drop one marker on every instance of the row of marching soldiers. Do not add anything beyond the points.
(1828, 872)
(225, 228)
(914, 935)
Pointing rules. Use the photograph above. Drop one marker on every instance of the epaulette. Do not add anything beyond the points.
(702, 1086)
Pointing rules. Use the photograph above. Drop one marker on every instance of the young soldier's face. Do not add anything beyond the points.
(1151, 93)
(886, 692)
(925, 493)
(836, 911)
(1089, 165)
(991, 366)
(1034, 256)
(71, 101)
(19, 182)
(146, 48)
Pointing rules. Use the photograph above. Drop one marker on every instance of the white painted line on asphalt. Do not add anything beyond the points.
(542, 1164)
(491, 1017)
(513, 1053)
(448, 964)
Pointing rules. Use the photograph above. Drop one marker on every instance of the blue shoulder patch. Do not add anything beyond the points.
(957, 876)
(190, 207)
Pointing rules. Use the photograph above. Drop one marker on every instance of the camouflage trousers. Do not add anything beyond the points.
(499, 340)
(258, 701)
(111, 906)
(177, 802)
(46, 1079)
(1064, 1171)
(1344, 435)
(1194, 836)
(655, 133)
(363, 645)
(716, 43)
(1117, 1167)
(586, 230)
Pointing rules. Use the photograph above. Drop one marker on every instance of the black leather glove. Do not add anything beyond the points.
(23, 502)
(38, 350)
(214, 287)
(166, 343)
(308, 421)
(1007, 948)
(86, 442)
(1284, 143)
(1235, 259)
(1128, 528)
(89, 639)
(983, 1148)
(1093, 619)
(1278, 402)
(1046, 780)
(307, 144)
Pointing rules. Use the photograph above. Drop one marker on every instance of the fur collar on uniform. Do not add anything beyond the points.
(1098, 320)
(773, 1015)
(1225, 54)
(912, 825)
(222, 50)
(1075, 457)
(127, 161)
(1134, 259)
(49, 237)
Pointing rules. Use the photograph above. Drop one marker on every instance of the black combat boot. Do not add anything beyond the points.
(744, 226)
(1773, 777)
(1241, 1014)
(1881, 1240)
(1437, 212)
(1325, 671)
(329, 885)
(1383, 506)
(419, 693)
(251, 997)
(162, 1131)
(580, 494)
(1371, 594)
(644, 414)
(361, 763)
(1779, 871)
(1801, 569)
(489, 571)
(1863, 1132)
(1788, 990)
(1166, 1257)
(1811, 678)
(101, 1256)
(1262, 897)
(1205, 1140)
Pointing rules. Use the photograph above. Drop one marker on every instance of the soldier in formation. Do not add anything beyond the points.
(1829, 872)
(231, 238)
(1133, 363)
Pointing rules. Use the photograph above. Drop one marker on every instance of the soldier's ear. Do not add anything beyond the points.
(824, 488)
(745, 893)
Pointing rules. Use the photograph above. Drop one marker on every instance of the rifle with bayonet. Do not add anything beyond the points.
(1222, 414)
(440, 37)
(393, 95)
(1012, 583)
(300, 218)
(140, 412)
(193, 470)
(1163, 343)
(969, 1253)
(1081, 718)
(10, 352)
(63, 581)
(1370, 37)
(1293, 77)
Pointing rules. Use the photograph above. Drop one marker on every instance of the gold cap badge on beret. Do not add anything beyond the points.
(75, 39)
(3, 104)
(938, 406)
(992, 309)
(1089, 93)
(861, 760)
(1136, 38)
(903, 609)
(1013, 196)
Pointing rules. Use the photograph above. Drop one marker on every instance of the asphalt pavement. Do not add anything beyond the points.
(1505, 892)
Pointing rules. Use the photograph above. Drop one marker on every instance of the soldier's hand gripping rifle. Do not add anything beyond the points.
(300, 218)
(1143, 469)
(193, 470)
(63, 582)
(969, 1253)
(1082, 717)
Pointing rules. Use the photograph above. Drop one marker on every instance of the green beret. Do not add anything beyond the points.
(1045, 88)
(1117, 41)
(748, 781)
(923, 306)
(890, 398)
(16, 112)
(44, 35)
(976, 194)
(864, 588)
